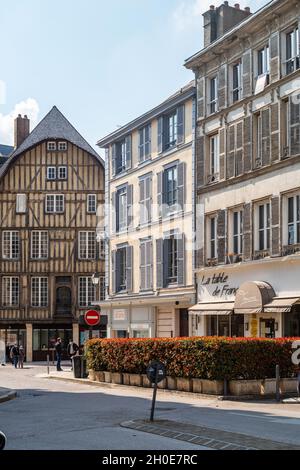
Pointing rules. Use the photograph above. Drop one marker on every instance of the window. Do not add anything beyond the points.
(21, 204)
(263, 61)
(213, 94)
(62, 146)
(214, 158)
(87, 245)
(258, 139)
(55, 204)
(145, 143)
(121, 263)
(145, 199)
(171, 130)
(51, 146)
(212, 237)
(102, 287)
(238, 232)
(51, 173)
(294, 220)
(172, 253)
(292, 51)
(264, 227)
(92, 203)
(171, 186)
(10, 291)
(62, 172)
(121, 209)
(146, 247)
(87, 292)
(236, 82)
(39, 292)
(39, 245)
(11, 245)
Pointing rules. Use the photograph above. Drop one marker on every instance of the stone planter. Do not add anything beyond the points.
(163, 384)
(116, 378)
(107, 376)
(99, 376)
(184, 385)
(245, 387)
(145, 381)
(268, 387)
(197, 385)
(212, 387)
(92, 375)
(171, 383)
(126, 380)
(288, 385)
(135, 380)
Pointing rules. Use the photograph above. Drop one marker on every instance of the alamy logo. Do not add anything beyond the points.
(296, 353)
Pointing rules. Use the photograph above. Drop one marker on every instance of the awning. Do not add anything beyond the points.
(213, 308)
(281, 305)
(252, 297)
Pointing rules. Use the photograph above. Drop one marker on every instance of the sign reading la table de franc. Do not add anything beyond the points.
(218, 286)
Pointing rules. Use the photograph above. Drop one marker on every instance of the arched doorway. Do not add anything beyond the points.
(63, 301)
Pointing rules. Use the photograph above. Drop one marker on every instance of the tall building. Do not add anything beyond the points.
(50, 188)
(149, 223)
(248, 172)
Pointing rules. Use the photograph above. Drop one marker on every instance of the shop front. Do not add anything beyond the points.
(44, 339)
(254, 300)
(13, 334)
(130, 322)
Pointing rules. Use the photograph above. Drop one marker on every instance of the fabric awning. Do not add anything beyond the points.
(281, 305)
(225, 308)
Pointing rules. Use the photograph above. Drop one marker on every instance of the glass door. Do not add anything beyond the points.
(267, 328)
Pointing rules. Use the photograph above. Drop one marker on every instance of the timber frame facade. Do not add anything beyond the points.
(50, 190)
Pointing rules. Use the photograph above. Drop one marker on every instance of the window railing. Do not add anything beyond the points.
(214, 178)
(291, 249)
(292, 64)
(261, 254)
(212, 262)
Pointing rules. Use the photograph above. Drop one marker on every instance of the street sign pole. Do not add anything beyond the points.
(154, 395)
(91, 332)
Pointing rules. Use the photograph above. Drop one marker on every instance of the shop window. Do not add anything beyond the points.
(292, 323)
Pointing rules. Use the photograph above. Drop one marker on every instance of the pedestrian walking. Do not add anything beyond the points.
(21, 357)
(58, 349)
(15, 354)
(73, 349)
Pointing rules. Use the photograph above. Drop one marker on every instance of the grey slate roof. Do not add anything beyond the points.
(53, 126)
(6, 150)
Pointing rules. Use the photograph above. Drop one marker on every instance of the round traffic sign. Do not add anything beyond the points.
(156, 369)
(92, 318)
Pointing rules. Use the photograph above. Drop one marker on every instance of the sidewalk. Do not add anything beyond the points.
(7, 395)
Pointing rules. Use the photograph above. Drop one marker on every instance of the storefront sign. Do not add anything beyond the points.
(218, 285)
(120, 315)
(138, 327)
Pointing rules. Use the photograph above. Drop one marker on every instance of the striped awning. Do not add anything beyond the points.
(281, 305)
(214, 308)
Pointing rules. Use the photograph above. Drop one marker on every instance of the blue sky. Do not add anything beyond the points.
(102, 63)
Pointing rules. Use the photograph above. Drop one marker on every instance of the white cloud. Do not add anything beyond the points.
(29, 107)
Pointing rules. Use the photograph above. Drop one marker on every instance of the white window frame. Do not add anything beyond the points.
(88, 296)
(55, 203)
(266, 60)
(62, 146)
(42, 297)
(51, 146)
(211, 101)
(214, 160)
(8, 294)
(40, 242)
(92, 197)
(212, 237)
(11, 237)
(87, 245)
(240, 231)
(239, 89)
(295, 58)
(51, 169)
(266, 229)
(122, 222)
(296, 220)
(59, 176)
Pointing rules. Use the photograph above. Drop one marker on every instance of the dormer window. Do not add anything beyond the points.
(62, 146)
(51, 146)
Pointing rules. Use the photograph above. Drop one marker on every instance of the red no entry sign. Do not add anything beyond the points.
(92, 318)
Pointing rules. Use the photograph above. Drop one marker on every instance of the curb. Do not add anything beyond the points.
(8, 396)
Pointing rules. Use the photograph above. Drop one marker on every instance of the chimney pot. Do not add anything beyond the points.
(212, 7)
(22, 129)
(248, 10)
(237, 6)
(226, 3)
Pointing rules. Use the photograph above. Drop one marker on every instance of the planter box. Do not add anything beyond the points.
(99, 376)
(163, 384)
(116, 378)
(245, 387)
(268, 387)
(212, 387)
(145, 381)
(126, 380)
(135, 380)
(92, 375)
(107, 376)
(288, 385)
(184, 385)
(197, 385)
(171, 383)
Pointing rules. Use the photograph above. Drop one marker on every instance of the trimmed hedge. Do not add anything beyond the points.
(204, 358)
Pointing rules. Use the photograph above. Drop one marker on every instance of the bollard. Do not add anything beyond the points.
(48, 364)
(225, 387)
(277, 384)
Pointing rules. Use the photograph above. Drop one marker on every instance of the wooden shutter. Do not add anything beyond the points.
(114, 212)
(142, 201)
(247, 144)
(180, 125)
(159, 263)
(148, 140)
(130, 214)
(239, 150)
(181, 185)
(160, 134)
(113, 159)
(295, 125)
(247, 74)
(181, 260)
(113, 271)
(221, 236)
(275, 133)
(21, 204)
(200, 160)
(143, 265)
(231, 152)
(201, 97)
(247, 235)
(275, 57)
(128, 152)
(275, 218)
(266, 140)
(148, 198)
(129, 268)
(222, 85)
(160, 200)
(222, 153)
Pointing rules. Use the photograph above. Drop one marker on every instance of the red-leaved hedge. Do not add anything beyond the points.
(206, 358)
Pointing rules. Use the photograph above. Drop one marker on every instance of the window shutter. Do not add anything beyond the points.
(114, 212)
(21, 204)
(129, 268)
(159, 263)
(275, 207)
(181, 185)
(142, 201)
(160, 134)
(160, 185)
(128, 151)
(201, 97)
(247, 144)
(239, 149)
(143, 266)
(231, 152)
(181, 260)
(113, 271)
(222, 87)
(275, 133)
(274, 57)
(247, 235)
(148, 197)
(295, 125)
(222, 153)
(247, 74)
(200, 160)
(221, 236)
(180, 125)
(266, 141)
(149, 263)
(148, 141)
(130, 214)
(114, 159)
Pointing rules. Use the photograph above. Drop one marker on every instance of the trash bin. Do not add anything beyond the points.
(77, 366)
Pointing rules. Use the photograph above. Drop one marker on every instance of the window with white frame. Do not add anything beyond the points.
(213, 95)
(214, 150)
(87, 292)
(10, 291)
(39, 292)
(263, 61)
(121, 209)
(51, 146)
(11, 245)
(237, 222)
(292, 51)
(51, 173)
(62, 146)
(264, 226)
(87, 245)
(55, 203)
(236, 82)
(92, 203)
(294, 220)
(212, 237)
(62, 173)
(39, 245)
(145, 143)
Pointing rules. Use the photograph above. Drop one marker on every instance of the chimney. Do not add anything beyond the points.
(22, 129)
(217, 21)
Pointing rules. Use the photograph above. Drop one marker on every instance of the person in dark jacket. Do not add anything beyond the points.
(15, 355)
(58, 349)
(73, 349)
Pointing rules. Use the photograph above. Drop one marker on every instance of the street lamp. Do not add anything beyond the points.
(95, 279)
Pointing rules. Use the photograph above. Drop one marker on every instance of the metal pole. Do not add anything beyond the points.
(225, 387)
(91, 332)
(48, 364)
(154, 395)
(277, 384)
(53, 357)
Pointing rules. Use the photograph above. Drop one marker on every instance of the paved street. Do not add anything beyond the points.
(50, 414)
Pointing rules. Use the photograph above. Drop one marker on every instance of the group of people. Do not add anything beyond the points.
(72, 350)
(17, 356)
